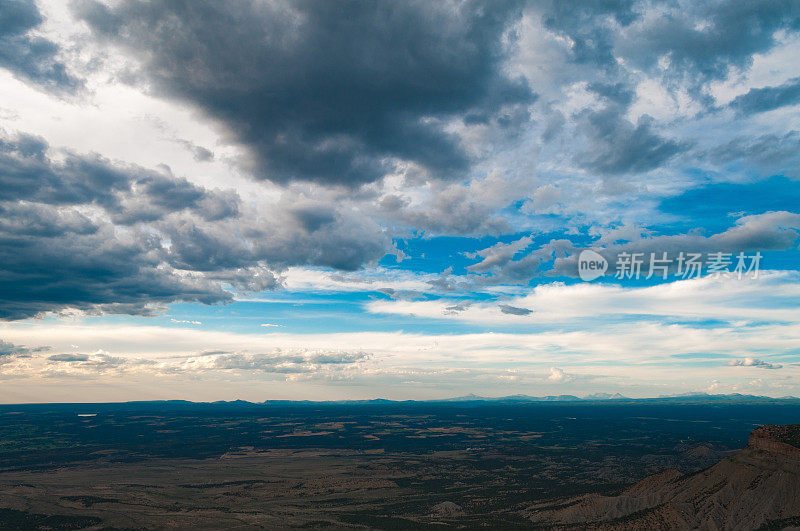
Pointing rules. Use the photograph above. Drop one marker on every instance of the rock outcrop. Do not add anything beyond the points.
(776, 439)
(758, 487)
(447, 509)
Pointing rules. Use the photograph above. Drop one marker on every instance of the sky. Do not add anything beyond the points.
(317, 200)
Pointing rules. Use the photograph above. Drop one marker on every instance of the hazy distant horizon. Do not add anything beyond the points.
(527, 399)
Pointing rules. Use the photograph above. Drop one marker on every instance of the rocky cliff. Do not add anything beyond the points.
(756, 488)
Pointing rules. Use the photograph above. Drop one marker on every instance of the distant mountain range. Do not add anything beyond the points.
(756, 488)
(528, 398)
(689, 398)
(600, 397)
(616, 396)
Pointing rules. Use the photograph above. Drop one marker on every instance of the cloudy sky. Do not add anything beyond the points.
(341, 200)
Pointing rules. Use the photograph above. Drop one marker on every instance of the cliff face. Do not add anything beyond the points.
(776, 439)
(756, 487)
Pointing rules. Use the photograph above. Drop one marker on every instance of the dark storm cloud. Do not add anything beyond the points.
(768, 98)
(703, 40)
(680, 45)
(35, 220)
(102, 271)
(616, 146)
(196, 249)
(618, 93)
(683, 42)
(28, 174)
(326, 91)
(344, 239)
(82, 232)
(28, 57)
(767, 154)
(58, 250)
(587, 25)
(313, 216)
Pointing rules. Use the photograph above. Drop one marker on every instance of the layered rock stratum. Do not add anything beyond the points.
(756, 488)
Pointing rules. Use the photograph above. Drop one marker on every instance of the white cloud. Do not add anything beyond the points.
(559, 376)
(609, 355)
(772, 297)
(754, 362)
